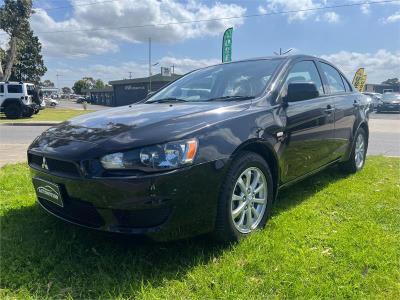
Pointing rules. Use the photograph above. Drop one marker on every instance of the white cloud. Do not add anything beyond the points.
(365, 9)
(121, 71)
(331, 17)
(291, 5)
(130, 13)
(379, 66)
(393, 18)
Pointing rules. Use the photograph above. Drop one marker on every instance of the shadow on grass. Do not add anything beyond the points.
(43, 256)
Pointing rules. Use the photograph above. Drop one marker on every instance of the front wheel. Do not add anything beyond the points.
(246, 198)
(358, 154)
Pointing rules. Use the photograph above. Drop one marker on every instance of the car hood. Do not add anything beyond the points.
(143, 124)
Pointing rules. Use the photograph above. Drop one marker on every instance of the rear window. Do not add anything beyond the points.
(14, 88)
(334, 79)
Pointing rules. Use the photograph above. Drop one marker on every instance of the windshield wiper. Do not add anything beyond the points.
(227, 98)
(165, 100)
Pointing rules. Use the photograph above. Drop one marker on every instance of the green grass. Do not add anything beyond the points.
(330, 236)
(49, 114)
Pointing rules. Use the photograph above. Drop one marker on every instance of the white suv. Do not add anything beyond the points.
(16, 99)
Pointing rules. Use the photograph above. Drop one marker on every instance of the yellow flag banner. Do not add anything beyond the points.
(360, 79)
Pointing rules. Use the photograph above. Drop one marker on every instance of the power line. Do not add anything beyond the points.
(221, 19)
(77, 5)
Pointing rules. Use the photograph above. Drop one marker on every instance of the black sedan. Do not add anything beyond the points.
(207, 153)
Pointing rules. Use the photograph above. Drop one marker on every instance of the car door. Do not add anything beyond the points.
(346, 101)
(309, 126)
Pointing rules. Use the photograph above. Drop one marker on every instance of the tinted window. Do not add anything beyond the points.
(14, 88)
(334, 79)
(1, 88)
(347, 85)
(248, 78)
(304, 71)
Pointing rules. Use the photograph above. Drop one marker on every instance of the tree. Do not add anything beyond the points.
(29, 64)
(14, 20)
(99, 84)
(84, 83)
(66, 90)
(392, 81)
(47, 83)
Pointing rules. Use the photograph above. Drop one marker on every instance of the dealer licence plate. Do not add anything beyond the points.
(48, 190)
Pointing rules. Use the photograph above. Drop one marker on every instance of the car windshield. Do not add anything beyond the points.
(391, 96)
(232, 81)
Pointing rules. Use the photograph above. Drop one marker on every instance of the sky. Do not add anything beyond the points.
(107, 39)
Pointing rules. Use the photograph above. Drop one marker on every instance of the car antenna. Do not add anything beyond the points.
(283, 53)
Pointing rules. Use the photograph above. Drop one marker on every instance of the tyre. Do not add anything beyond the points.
(245, 199)
(13, 111)
(28, 113)
(358, 153)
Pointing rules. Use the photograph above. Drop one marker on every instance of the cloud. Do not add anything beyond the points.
(290, 5)
(331, 17)
(393, 18)
(379, 66)
(128, 13)
(121, 71)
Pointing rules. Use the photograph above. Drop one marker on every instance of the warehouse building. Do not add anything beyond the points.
(381, 88)
(128, 91)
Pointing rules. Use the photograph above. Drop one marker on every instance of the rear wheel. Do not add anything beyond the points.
(358, 154)
(246, 198)
(13, 111)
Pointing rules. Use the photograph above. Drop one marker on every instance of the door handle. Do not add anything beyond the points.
(329, 109)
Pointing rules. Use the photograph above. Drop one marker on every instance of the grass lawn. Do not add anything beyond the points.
(49, 114)
(330, 236)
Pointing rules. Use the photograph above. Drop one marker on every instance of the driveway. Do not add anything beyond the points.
(384, 138)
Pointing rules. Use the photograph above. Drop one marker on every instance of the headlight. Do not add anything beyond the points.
(159, 157)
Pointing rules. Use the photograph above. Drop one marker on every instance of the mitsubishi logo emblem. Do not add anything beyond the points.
(44, 164)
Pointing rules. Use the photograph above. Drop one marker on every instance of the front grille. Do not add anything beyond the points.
(142, 218)
(54, 165)
(75, 211)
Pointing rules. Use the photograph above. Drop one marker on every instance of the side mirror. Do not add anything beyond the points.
(298, 91)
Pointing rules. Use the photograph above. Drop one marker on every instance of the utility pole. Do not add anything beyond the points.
(173, 69)
(149, 64)
(58, 87)
(282, 53)
(130, 75)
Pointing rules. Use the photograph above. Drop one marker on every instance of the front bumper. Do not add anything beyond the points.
(389, 107)
(165, 206)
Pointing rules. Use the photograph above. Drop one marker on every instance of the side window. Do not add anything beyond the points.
(14, 88)
(1, 88)
(334, 79)
(347, 85)
(304, 71)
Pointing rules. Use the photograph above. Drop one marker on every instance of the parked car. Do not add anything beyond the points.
(375, 98)
(389, 102)
(51, 102)
(182, 163)
(81, 100)
(16, 100)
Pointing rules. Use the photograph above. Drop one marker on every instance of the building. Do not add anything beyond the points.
(128, 91)
(104, 96)
(381, 88)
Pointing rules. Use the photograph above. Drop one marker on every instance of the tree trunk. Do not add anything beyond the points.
(1, 71)
(11, 58)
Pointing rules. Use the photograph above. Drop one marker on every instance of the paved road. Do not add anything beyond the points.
(384, 138)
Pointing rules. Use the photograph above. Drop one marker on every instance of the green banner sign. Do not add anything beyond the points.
(227, 45)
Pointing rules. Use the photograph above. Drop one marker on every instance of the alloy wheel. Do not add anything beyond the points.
(249, 200)
(359, 152)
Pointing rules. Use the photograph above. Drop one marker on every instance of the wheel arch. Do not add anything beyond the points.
(266, 151)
